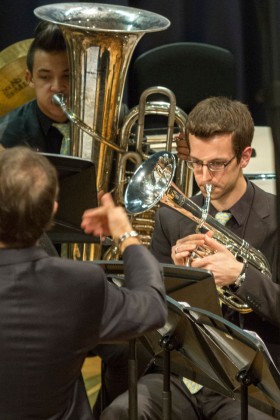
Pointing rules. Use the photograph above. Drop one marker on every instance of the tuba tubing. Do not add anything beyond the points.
(58, 99)
(137, 114)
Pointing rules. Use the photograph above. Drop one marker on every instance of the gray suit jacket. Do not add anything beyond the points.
(52, 312)
(261, 292)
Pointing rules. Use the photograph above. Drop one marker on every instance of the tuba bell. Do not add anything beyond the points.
(152, 183)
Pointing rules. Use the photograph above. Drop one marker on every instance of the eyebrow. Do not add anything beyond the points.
(42, 70)
(211, 160)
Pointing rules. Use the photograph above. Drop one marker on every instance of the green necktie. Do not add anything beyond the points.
(223, 217)
(64, 129)
(192, 386)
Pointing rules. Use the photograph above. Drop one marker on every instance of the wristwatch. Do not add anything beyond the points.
(240, 279)
(126, 235)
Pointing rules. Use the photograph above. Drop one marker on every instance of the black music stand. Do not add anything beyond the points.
(77, 192)
(180, 282)
(254, 373)
(219, 355)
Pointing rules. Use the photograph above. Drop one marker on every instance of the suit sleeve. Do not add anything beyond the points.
(261, 291)
(141, 305)
(261, 294)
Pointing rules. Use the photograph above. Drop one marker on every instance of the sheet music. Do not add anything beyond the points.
(263, 345)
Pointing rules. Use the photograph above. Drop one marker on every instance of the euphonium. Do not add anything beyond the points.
(152, 183)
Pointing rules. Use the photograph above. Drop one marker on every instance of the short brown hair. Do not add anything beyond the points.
(220, 115)
(28, 190)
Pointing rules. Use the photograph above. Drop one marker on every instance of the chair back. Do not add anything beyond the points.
(193, 71)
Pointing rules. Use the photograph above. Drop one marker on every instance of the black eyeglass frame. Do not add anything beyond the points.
(199, 165)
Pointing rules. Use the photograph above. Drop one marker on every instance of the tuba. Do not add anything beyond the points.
(100, 40)
(152, 183)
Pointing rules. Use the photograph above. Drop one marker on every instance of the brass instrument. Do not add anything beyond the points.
(144, 223)
(100, 40)
(152, 183)
(175, 117)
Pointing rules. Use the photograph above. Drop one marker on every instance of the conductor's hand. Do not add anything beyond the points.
(108, 219)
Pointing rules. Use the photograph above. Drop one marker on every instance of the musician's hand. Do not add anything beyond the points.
(108, 219)
(221, 263)
(181, 252)
(182, 147)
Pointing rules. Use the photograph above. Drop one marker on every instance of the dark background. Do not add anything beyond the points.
(242, 26)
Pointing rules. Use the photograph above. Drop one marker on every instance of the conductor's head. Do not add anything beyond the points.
(28, 193)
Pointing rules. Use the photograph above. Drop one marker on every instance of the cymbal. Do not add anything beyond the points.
(14, 90)
(14, 51)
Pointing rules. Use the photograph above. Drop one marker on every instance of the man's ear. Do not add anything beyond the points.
(246, 156)
(29, 78)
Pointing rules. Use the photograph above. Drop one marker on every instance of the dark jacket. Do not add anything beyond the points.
(28, 126)
(53, 312)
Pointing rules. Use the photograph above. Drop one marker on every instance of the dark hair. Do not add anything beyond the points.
(49, 38)
(220, 115)
(28, 190)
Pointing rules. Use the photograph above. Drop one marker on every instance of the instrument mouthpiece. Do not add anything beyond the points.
(58, 99)
(208, 188)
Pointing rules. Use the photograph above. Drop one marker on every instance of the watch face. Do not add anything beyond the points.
(132, 234)
(240, 279)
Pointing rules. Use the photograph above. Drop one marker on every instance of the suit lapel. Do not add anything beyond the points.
(260, 218)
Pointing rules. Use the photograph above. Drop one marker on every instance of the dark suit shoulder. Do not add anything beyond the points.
(21, 127)
(264, 203)
(76, 271)
(24, 109)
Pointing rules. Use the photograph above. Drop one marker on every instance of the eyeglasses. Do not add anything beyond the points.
(214, 166)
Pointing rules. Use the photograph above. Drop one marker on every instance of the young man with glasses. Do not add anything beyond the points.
(217, 148)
